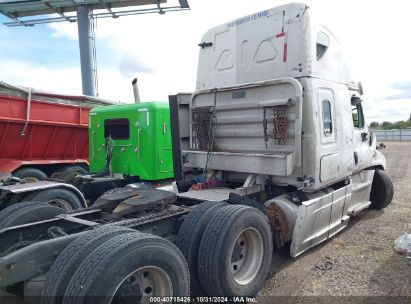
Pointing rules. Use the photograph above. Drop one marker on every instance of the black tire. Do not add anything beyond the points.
(97, 279)
(59, 197)
(382, 190)
(28, 212)
(73, 171)
(21, 197)
(71, 257)
(29, 196)
(12, 208)
(238, 238)
(30, 174)
(189, 238)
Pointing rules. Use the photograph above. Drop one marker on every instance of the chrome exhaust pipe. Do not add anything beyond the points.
(135, 91)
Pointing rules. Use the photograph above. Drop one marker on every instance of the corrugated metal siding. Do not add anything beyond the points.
(393, 135)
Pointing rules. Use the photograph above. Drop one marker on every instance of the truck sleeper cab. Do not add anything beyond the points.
(275, 92)
(140, 136)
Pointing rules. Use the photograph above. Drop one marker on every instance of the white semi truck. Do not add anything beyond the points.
(275, 96)
(271, 150)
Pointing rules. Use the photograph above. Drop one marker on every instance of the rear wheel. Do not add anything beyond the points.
(73, 171)
(30, 175)
(189, 238)
(382, 190)
(27, 212)
(12, 208)
(71, 257)
(131, 267)
(235, 252)
(62, 198)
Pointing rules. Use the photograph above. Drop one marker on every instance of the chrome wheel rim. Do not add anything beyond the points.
(145, 282)
(63, 204)
(247, 256)
(31, 179)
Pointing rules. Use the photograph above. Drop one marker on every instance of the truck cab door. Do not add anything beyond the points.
(96, 143)
(119, 130)
(361, 137)
(165, 146)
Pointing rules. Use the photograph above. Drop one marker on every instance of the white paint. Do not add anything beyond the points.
(281, 42)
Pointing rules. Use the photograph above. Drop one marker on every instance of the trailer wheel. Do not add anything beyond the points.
(129, 268)
(73, 171)
(235, 252)
(71, 257)
(189, 238)
(14, 207)
(382, 190)
(27, 212)
(30, 175)
(62, 198)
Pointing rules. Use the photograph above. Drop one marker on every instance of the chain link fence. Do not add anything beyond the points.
(393, 135)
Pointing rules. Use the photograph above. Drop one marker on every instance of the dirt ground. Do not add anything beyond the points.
(358, 263)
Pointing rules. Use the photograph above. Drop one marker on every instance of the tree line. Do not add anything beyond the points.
(386, 125)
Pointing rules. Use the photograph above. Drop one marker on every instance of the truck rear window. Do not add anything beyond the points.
(327, 118)
(118, 128)
(323, 41)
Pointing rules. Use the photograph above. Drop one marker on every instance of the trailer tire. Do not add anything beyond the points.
(154, 265)
(235, 252)
(189, 238)
(14, 207)
(30, 174)
(58, 197)
(382, 190)
(27, 212)
(71, 257)
(72, 171)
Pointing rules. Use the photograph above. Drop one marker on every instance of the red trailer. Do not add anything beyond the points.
(42, 133)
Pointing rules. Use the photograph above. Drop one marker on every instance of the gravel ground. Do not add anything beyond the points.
(361, 260)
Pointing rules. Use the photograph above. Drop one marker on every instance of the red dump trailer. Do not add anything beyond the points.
(43, 133)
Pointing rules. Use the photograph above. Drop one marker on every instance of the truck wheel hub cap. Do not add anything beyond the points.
(247, 256)
(144, 283)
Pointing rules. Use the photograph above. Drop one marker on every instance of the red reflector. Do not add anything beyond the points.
(285, 53)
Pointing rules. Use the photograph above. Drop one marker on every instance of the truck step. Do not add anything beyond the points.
(358, 207)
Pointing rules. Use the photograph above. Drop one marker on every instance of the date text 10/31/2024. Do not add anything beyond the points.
(202, 299)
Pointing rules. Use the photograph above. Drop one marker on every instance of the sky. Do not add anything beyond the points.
(162, 50)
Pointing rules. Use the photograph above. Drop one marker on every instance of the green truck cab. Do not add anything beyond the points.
(140, 136)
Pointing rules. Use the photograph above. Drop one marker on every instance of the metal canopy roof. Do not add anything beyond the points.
(19, 10)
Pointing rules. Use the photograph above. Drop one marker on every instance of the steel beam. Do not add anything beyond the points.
(84, 35)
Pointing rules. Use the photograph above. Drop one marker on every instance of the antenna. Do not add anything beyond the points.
(32, 12)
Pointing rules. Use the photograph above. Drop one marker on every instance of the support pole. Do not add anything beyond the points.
(84, 37)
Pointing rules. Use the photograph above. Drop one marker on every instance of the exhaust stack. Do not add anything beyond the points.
(135, 91)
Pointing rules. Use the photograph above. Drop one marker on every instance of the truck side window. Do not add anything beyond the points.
(323, 41)
(327, 118)
(358, 116)
(118, 128)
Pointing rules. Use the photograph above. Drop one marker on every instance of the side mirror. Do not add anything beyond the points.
(355, 100)
(360, 89)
